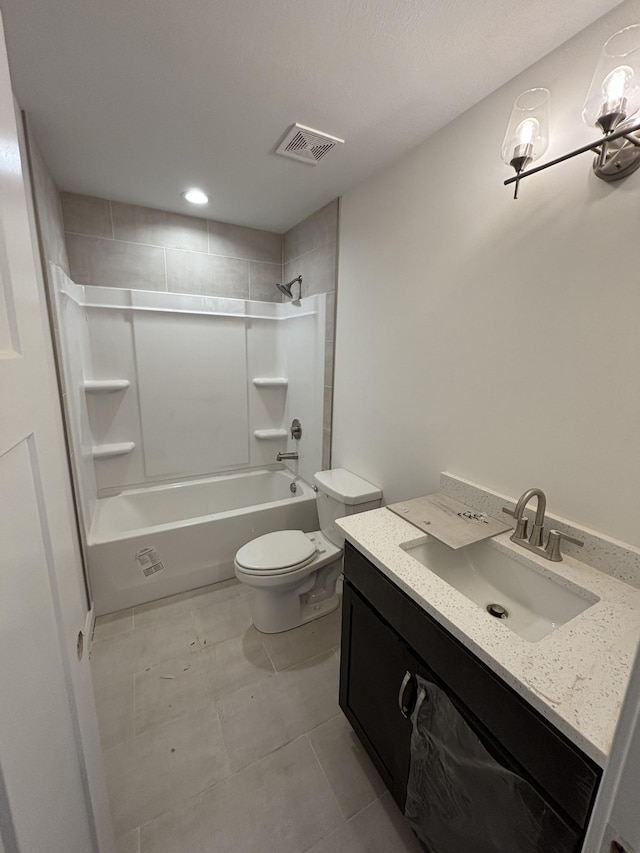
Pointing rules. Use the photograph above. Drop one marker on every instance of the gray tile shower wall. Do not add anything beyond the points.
(125, 245)
(310, 250)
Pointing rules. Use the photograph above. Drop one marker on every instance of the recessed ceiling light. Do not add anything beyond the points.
(196, 196)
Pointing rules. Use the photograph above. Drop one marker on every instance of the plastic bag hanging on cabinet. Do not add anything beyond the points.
(461, 800)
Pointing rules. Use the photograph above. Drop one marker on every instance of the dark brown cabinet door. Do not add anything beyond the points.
(375, 665)
(464, 793)
(388, 644)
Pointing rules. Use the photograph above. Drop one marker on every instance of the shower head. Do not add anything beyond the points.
(286, 288)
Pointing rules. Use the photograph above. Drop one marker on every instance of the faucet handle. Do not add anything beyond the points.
(522, 523)
(552, 549)
(537, 535)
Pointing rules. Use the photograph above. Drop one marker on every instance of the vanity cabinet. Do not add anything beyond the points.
(394, 655)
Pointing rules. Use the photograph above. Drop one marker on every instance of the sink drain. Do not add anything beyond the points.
(498, 611)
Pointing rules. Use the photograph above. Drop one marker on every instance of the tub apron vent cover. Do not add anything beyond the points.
(306, 144)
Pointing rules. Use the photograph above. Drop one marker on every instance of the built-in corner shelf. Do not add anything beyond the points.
(270, 434)
(270, 382)
(107, 451)
(105, 386)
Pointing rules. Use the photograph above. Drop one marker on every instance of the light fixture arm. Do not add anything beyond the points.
(599, 146)
(632, 139)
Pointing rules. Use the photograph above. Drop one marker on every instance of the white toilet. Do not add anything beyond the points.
(294, 574)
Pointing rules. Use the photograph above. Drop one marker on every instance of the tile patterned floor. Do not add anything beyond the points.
(219, 739)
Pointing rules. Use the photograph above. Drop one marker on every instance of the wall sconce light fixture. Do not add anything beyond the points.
(612, 105)
(527, 135)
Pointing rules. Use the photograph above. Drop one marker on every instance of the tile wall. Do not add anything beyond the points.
(122, 245)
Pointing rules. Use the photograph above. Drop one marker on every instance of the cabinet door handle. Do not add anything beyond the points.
(404, 709)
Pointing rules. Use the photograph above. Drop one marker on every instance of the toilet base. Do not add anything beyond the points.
(268, 622)
(275, 610)
(315, 610)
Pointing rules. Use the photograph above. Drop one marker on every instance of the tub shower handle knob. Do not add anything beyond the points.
(296, 429)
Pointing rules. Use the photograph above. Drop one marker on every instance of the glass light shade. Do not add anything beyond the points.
(614, 94)
(527, 135)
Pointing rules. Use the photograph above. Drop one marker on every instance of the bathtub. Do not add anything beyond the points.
(156, 541)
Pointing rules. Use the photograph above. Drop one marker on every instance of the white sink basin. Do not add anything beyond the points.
(535, 603)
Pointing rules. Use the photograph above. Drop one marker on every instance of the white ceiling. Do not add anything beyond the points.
(136, 100)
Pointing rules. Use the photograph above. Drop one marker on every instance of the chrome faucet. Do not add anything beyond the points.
(534, 542)
(282, 456)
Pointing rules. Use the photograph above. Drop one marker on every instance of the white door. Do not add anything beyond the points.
(615, 824)
(52, 793)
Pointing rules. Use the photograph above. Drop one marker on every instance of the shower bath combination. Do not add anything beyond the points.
(286, 288)
(186, 505)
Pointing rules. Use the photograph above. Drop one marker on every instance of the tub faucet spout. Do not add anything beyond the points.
(281, 456)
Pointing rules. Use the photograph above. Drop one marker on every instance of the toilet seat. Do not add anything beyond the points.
(277, 553)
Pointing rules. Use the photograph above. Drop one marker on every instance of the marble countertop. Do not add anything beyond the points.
(576, 676)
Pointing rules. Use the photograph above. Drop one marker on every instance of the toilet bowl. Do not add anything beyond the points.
(293, 574)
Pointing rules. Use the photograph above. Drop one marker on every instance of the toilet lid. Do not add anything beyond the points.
(284, 549)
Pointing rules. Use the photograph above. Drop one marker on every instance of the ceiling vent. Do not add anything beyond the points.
(306, 144)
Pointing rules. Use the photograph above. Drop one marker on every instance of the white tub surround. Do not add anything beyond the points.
(156, 541)
(245, 370)
(270, 434)
(108, 451)
(74, 351)
(142, 416)
(270, 382)
(105, 386)
(576, 676)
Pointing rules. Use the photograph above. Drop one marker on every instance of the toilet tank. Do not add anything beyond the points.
(342, 493)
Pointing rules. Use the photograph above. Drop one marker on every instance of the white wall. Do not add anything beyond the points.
(493, 338)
